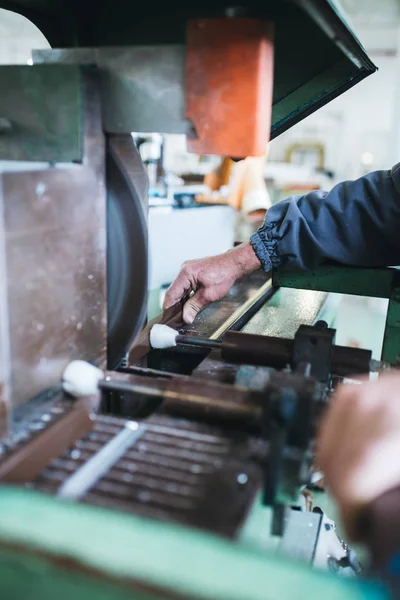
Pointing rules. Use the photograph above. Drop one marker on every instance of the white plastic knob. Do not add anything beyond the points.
(80, 378)
(162, 336)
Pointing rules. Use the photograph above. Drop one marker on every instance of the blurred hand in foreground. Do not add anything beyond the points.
(359, 445)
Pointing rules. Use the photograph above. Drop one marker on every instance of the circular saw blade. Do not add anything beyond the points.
(127, 264)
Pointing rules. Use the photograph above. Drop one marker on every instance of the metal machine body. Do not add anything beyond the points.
(375, 283)
(64, 273)
(178, 449)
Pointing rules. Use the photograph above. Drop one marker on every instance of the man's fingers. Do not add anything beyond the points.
(194, 305)
(177, 290)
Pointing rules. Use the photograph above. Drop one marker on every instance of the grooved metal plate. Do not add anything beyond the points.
(177, 470)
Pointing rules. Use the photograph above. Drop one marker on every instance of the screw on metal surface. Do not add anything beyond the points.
(242, 479)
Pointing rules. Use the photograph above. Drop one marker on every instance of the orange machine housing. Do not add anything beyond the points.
(229, 84)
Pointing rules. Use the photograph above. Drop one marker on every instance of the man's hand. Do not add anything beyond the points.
(210, 278)
(359, 444)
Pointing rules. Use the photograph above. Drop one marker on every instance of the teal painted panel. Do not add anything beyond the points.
(391, 340)
(41, 113)
(375, 283)
(172, 558)
(37, 578)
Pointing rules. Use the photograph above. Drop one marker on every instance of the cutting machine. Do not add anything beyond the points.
(174, 473)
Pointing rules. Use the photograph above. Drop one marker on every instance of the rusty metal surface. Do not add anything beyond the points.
(178, 471)
(4, 339)
(54, 252)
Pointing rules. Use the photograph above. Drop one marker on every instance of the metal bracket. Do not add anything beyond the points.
(142, 87)
(287, 427)
(375, 283)
(312, 351)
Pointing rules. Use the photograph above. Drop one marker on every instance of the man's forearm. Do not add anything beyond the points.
(245, 259)
(356, 223)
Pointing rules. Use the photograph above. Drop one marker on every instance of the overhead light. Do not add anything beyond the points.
(29, 61)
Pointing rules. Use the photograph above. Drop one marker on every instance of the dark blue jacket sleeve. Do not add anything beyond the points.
(357, 223)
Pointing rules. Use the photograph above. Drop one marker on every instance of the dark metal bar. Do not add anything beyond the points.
(256, 349)
(191, 340)
(187, 397)
(348, 361)
(277, 352)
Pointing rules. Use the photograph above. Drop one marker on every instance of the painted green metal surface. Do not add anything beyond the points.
(36, 578)
(391, 339)
(317, 56)
(375, 283)
(155, 555)
(41, 113)
(325, 83)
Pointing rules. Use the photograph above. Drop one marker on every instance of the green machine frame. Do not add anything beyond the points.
(374, 283)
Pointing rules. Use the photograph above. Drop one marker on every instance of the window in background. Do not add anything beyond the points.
(18, 37)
